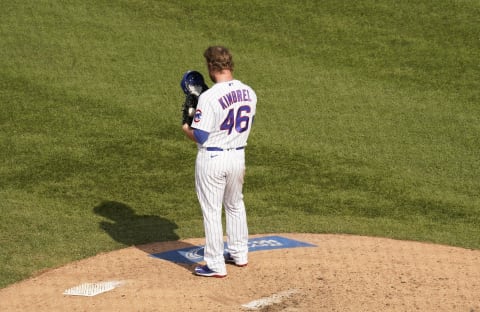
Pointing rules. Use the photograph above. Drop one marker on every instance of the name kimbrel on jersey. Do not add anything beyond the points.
(241, 95)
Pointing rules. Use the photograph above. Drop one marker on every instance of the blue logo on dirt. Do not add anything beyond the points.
(192, 255)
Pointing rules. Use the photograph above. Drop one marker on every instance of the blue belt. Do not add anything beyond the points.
(218, 149)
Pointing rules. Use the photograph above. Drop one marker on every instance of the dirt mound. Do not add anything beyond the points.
(340, 273)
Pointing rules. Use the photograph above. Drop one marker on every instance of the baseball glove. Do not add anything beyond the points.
(193, 85)
(188, 108)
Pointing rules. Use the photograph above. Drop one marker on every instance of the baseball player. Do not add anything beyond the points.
(221, 125)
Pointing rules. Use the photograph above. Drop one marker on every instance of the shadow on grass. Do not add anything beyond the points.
(141, 231)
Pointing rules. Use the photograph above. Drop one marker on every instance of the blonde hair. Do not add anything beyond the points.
(218, 58)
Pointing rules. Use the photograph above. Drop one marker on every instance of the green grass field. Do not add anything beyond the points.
(368, 121)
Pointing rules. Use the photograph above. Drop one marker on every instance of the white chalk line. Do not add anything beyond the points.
(267, 301)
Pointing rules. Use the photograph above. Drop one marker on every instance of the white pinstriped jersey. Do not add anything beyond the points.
(226, 112)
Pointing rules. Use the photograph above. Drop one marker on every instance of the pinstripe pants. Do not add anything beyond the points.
(219, 177)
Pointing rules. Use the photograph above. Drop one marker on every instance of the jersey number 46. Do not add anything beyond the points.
(239, 120)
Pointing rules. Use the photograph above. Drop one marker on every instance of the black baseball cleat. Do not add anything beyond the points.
(228, 259)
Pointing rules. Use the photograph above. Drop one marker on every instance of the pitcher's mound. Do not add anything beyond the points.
(338, 273)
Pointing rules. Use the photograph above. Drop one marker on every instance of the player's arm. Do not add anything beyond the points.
(188, 131)
(196, 135)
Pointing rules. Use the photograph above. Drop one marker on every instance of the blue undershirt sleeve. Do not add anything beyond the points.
(200, 135)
